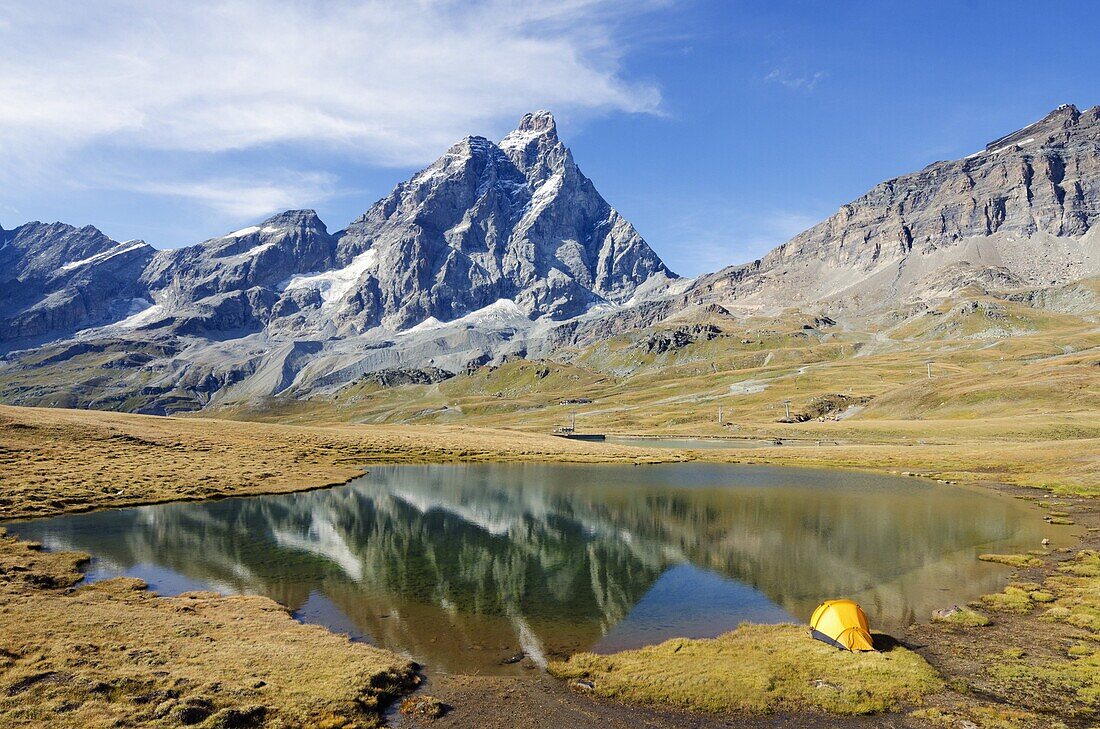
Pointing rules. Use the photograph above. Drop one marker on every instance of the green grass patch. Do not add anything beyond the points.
(1012, 600)
(964, 616)
(1056, 614)
(756, 668)
(1079, 678)
(1086, 563)
(987, 717)
(1012, 560)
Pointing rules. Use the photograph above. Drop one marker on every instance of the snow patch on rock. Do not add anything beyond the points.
(500, 313)
(141, 311)
(334, 285)
(118, 250)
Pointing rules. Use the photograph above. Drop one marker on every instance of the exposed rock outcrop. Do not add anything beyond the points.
(398, 377)
(485, 222)
(1023, 210)
(678, 338)
(56, 279)
(505, 250)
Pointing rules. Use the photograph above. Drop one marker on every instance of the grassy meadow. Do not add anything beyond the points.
(112, 654)
(1013, 401)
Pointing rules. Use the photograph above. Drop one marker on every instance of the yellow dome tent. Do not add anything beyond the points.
(842, 624)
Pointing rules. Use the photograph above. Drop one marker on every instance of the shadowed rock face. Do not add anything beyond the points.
(235, 282)
(507, 249)
(55, 278)
(485, 222)
(1026, 205)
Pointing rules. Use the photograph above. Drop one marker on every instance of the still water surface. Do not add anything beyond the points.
(462, 566)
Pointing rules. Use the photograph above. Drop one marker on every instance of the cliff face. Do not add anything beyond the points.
(1026, 206)
(515, 222)
(501, 250)
(55, 279)
(488, 241)
(485, 222)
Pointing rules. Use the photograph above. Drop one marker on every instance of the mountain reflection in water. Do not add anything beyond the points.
(460, 566)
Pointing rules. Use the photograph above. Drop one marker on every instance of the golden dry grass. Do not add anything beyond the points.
(112, 654)
(1043, 374)
(54, 461)
(1064, 466)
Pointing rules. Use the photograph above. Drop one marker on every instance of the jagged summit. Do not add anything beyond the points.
(501, 249)
(1053, 127)
(534, 147)
(294, 217)
(533, 125)
(486, 222)
(541, 121)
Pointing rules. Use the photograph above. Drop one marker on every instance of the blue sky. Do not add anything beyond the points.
(720, 129)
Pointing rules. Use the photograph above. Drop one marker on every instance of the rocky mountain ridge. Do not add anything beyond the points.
(55, 278)
(501, 250)
(484, 223)
(1023, 211)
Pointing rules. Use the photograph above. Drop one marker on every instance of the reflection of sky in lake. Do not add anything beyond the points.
(461, 565)
(688, 601)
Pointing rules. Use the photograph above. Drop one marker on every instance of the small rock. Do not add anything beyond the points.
(818, 683)
(514, 658)
(582, 685)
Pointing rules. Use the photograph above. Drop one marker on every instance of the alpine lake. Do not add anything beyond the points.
(495, 568)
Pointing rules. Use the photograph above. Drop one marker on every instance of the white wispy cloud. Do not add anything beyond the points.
(388, 81)
(803, 82)
(246, 197)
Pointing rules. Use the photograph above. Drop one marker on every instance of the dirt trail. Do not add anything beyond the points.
(542, 702)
